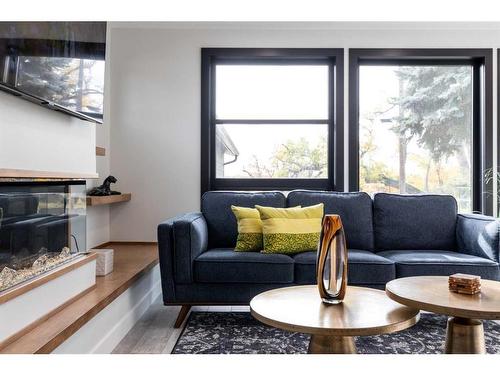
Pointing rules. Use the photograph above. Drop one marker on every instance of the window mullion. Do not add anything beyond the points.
(271, 121)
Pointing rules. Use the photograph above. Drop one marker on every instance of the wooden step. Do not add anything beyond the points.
(131, 261)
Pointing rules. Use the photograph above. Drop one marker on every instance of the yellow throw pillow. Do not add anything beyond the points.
(249, 229)
(291, 230)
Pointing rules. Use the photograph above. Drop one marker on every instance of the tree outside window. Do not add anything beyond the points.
(416, 130)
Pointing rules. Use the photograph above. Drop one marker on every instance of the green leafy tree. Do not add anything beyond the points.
(371, 171)
(435, 108)
(293, 159)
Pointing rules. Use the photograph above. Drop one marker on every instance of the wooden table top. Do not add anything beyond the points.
(364, 312)
(431, 293)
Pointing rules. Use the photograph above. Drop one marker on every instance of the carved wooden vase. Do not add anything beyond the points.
(331, 264)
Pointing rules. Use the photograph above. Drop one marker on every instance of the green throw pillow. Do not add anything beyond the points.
(291, 230)
(249, 229)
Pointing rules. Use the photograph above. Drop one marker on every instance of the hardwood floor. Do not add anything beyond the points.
(154, 333)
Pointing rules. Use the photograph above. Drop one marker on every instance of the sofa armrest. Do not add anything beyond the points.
(478, 235)
(180, 241)
(165, 249)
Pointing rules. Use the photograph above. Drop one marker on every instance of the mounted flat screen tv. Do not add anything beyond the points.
(59, 65)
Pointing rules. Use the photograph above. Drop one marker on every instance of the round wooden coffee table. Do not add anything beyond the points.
(364, 312)
(464, 332)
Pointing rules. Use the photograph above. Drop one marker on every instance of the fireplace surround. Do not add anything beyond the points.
(42, 226)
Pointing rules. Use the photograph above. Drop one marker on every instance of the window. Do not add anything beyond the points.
(419, 125)
(268, 119)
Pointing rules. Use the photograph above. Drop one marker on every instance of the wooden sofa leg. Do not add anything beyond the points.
(182, 315)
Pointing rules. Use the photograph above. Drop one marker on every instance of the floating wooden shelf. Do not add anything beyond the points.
(100, 151)
(27, 173)
(97, 201)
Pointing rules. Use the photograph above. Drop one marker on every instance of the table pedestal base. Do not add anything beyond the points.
(464, 336)
(332, 345)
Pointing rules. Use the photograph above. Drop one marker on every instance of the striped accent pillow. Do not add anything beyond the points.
(291, 230)
(249, 229)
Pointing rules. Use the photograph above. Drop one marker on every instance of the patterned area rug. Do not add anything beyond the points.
(240, 333)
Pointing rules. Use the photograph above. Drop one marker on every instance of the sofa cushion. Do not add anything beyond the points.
(355, 210)
(440, 263)
(364, 268)
(228, 266)
(221, 223)
(414, 222)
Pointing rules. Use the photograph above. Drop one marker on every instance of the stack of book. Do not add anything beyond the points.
(463, 283)
(104, 264)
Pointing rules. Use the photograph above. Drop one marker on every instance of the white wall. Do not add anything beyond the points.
(33, 137)
(98, 231)
(155, 106)
(98, 219)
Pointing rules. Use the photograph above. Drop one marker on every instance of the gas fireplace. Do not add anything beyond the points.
(42, 226)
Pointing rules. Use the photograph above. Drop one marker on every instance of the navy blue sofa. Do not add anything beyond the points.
(388, 237)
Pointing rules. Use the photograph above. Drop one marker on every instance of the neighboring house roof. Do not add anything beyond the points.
(225, 139)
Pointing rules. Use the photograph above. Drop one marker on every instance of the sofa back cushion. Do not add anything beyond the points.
(355, 210)
(221, 222)
(414, 222)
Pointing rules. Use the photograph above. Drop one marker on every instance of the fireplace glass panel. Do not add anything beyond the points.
(42, 226)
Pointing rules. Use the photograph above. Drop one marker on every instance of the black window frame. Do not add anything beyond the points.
(334, 57)
(482, 128)
(496, 210)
